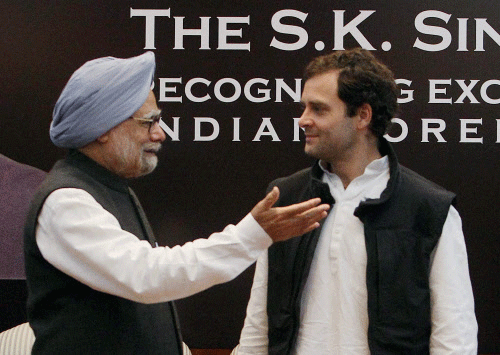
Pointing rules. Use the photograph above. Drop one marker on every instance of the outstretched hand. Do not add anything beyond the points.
(282, 223)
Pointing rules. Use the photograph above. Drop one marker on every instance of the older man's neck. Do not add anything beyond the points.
(94, 152)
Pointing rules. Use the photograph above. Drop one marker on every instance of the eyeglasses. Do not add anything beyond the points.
(148, 122)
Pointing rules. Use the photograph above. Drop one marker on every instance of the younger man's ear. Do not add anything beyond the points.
(365, 116)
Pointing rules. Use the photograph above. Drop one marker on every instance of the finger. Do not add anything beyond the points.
(299, 208)
(317, 213)
(307, 222)
(310, 228)
(270, 198)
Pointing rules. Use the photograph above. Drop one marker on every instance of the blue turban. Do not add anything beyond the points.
(101, 94)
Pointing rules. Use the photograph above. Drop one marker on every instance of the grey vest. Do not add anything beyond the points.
(69, 317)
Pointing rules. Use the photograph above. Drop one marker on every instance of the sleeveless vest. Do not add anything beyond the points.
(69, 317)
(401, 228)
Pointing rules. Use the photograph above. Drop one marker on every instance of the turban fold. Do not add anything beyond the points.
(101, 94)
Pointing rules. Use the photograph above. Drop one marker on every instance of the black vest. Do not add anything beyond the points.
(402, 228)
(69, 317)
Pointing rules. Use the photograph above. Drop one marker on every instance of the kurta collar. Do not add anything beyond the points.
(385, 148)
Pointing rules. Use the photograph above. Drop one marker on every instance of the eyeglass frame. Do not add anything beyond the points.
(151, 118)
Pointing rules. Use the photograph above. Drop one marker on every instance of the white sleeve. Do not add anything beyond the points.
(254, 339)
(79, 237)
(454, 325)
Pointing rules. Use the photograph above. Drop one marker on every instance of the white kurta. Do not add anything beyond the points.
(334, 315)
(79, 237)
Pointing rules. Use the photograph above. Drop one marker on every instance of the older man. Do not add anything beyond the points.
(96, 283)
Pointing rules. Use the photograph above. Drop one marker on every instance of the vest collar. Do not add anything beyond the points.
(97, 171)
(394, 171)
(318, 187)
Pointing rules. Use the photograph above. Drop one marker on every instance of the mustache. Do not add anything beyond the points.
(152, 147)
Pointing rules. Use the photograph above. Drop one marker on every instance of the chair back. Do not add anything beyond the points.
(17, 341)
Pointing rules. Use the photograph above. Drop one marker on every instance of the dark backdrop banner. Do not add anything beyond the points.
(229, 80)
